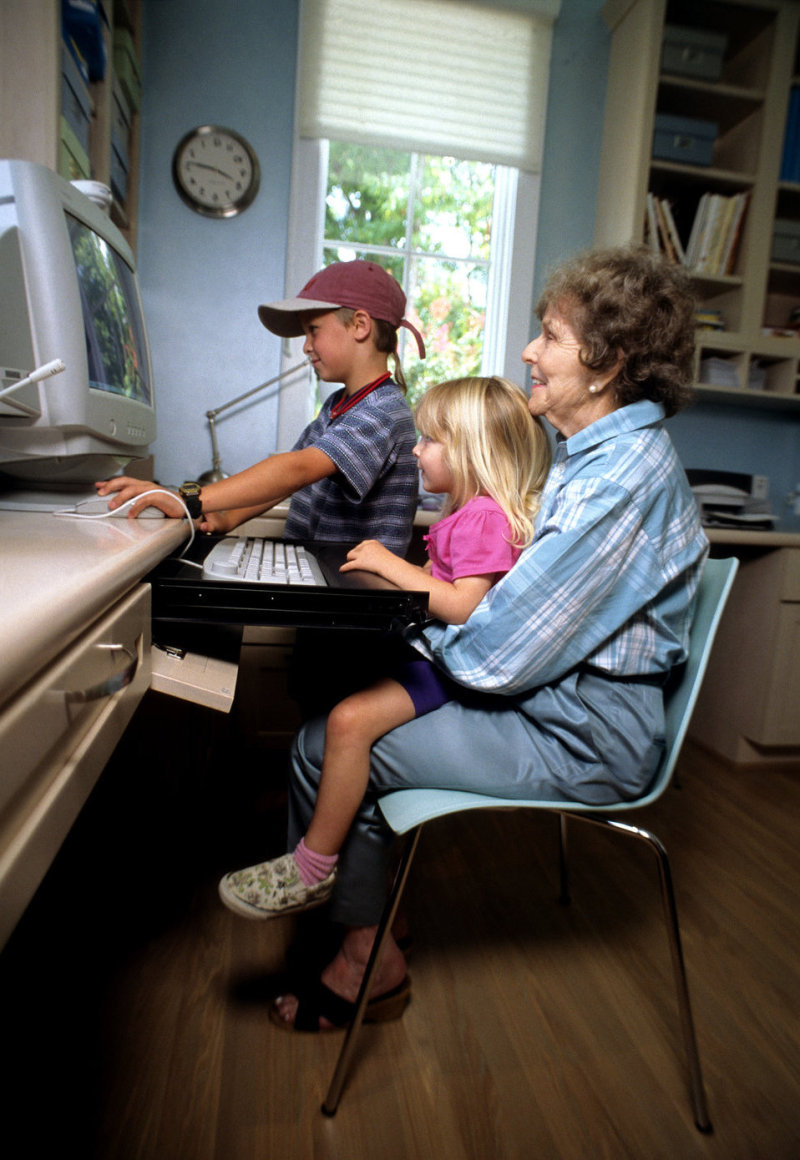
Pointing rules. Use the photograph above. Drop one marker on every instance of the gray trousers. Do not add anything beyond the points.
(584, 739)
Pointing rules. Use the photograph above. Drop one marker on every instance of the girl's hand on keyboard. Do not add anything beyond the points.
(370, 556)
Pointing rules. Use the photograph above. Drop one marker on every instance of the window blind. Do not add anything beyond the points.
(454, 77)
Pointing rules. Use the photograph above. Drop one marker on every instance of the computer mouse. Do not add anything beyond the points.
(98, 506)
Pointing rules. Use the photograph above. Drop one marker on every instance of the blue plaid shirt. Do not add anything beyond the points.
(373, 494)
(609, 580)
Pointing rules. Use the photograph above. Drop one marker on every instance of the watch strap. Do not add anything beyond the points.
(190, 494)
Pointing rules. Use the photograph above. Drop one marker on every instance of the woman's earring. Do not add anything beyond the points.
(592, 389)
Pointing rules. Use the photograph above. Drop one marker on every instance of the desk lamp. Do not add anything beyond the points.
(216, 473)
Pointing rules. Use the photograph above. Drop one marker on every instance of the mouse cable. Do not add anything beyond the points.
(68, 514)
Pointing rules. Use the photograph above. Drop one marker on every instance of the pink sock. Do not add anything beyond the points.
(313, 867)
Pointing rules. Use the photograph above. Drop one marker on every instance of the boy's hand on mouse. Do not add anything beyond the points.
(122, 488)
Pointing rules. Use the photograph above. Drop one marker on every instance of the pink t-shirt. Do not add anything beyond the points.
(473, 541)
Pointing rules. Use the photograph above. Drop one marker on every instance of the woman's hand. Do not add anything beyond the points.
(122, 488)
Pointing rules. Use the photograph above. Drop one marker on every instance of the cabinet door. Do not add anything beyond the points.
(55, 738)
(780, 724)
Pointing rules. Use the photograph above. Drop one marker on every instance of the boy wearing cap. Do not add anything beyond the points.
(351, 474)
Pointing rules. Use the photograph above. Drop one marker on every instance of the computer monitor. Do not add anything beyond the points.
(68, 291)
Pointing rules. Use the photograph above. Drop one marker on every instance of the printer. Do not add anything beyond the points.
(731, 499)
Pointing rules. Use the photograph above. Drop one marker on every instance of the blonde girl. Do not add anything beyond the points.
(482, 449)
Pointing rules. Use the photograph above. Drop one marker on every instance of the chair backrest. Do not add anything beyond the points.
(407, 808)
(683, 687)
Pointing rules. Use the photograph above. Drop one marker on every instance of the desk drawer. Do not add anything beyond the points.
(55, 738)
(790, 580)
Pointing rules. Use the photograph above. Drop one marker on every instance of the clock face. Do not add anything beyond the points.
(215, 171)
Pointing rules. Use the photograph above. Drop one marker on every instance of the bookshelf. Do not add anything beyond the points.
(746, 291)
(31, 123)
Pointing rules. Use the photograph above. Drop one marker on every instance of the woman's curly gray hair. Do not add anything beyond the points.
(629, 301)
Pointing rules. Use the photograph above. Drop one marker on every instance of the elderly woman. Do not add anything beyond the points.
(563, 662)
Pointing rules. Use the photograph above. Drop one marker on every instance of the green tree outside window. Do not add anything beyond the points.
(428, 220)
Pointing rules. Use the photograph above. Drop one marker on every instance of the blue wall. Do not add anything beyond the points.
(233, 63)
(578, 72)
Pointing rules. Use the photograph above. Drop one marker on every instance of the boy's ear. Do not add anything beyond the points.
(361, 325)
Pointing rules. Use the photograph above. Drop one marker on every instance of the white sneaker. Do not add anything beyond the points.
(272, 889)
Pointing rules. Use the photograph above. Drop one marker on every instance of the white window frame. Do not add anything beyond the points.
(510, 279)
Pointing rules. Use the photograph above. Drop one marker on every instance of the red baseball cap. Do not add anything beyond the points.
(358, 285)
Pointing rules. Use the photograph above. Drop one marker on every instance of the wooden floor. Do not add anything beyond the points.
(134, 1006)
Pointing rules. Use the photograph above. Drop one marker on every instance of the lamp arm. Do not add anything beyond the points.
(216, 462)
(211, 415)
(216, 472)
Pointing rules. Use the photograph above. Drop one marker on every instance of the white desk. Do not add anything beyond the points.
(74, 663)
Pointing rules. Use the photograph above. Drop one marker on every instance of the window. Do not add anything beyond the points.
(507, 281)
(458, 117)
(428, 220)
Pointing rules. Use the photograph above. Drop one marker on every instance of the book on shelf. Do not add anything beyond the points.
(790, 160)
(714, 235)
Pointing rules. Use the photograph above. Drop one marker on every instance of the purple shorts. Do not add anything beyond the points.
(427, 687)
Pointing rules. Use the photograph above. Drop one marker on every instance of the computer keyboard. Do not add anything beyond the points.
(258, 560)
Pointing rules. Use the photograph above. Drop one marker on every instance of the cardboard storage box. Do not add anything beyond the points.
(686, 139)
(120, 114)
(786, 241)
(119, 172)
(126, 67)
(76, 106)
(120, 142)
(73, 160)
(693, 52)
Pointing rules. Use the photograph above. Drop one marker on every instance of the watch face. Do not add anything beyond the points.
(215, 171)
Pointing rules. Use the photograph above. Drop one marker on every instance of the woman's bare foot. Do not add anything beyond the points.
(343, 975)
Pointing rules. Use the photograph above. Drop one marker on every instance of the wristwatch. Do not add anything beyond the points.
(190, 494)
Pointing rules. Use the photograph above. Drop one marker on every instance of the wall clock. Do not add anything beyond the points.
(216, 172)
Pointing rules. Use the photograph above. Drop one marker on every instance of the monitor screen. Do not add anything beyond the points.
(69, 292)
(113, 329)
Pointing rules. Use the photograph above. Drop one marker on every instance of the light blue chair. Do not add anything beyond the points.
(406, 811)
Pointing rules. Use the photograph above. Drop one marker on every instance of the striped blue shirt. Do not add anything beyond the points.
(373, 494)
(610, 577)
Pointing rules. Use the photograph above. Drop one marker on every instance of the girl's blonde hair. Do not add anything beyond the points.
(492, 446)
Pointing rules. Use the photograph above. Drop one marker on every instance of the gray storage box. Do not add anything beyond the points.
(693, 52)
(686, 139)
(786, 241)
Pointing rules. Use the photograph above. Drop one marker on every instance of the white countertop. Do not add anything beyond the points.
(773, 539)
(58, 574)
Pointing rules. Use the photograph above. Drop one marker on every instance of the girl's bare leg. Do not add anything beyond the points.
(353, 726)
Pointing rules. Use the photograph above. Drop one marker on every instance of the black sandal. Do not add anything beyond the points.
(315, 1001)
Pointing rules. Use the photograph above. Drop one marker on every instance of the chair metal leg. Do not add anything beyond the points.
(696, 1089)
(563, 865)
(331, 1102)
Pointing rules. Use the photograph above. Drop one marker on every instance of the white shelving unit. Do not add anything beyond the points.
(749, 103)
(31, 94)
